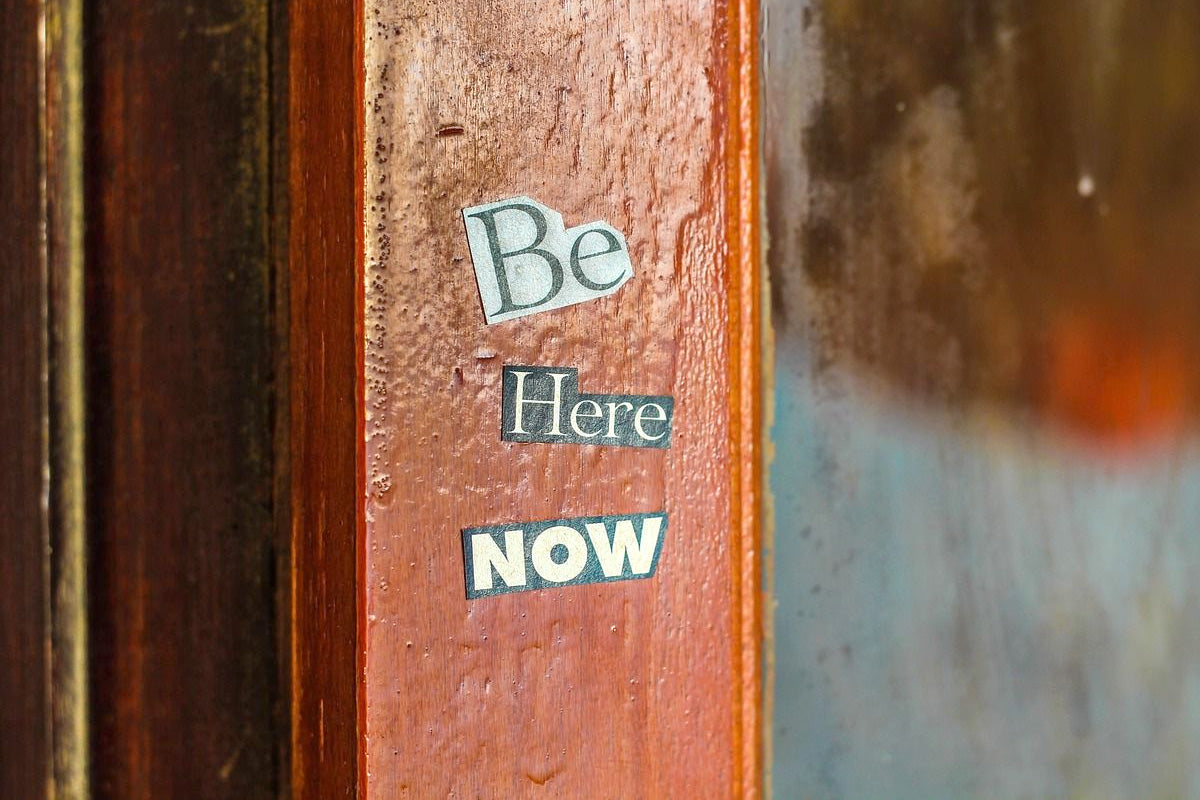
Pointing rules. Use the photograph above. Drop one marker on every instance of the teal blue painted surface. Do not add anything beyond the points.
(977, 609)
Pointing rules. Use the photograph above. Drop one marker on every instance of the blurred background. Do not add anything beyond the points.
(984, 224)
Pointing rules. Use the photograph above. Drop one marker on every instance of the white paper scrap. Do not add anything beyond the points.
(527, 262)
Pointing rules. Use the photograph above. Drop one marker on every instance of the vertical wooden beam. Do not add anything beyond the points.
(324, 179)
(643, 115)
(64, 195)
(25, 747)
(42, 578)
(180, 400)
(747, 362)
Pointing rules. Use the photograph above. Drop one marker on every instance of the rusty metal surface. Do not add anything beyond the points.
(987, 474)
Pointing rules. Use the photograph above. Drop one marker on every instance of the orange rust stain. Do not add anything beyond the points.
(1114, 381)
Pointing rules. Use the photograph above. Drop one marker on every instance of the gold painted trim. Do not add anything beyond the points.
(63, 137)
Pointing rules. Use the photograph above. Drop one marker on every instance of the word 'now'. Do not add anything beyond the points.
(501, 559)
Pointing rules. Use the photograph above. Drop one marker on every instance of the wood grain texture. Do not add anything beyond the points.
(750, 377)
(323, 147)
(987, 471)
(628, 113)
(66, 351)
(180, 455)
(25, 749)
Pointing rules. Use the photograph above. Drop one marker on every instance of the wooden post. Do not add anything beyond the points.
(645, 117)
(642, 116)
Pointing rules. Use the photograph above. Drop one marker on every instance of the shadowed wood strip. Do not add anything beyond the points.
(64, 137)
(25, 746)
(640, 115)
(180, 361)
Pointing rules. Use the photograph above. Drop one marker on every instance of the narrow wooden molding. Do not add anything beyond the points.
(328, 563)
(618, 112)
(746, 397)
(64, 170)
(324, 242)
(36, 579)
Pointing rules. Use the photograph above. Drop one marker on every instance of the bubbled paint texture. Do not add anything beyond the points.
(600, 111)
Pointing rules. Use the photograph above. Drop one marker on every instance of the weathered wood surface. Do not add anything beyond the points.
(180, 454)
(987, 478)
(25, 750)
(630, 113)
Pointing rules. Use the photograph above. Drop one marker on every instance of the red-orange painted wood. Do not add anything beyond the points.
(322, 245)
(642, 115)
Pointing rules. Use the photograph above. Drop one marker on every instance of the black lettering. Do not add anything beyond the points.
(613, 246)
(543, 404)
(488, 218)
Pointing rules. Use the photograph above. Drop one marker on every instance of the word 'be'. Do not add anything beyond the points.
(526, 261)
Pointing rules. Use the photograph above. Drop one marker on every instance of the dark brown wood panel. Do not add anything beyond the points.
(24, 695)
(322, 252)
(184, 665)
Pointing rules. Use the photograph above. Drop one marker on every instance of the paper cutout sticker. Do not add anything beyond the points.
(501, 559)
(543, 404)
(527, 262)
